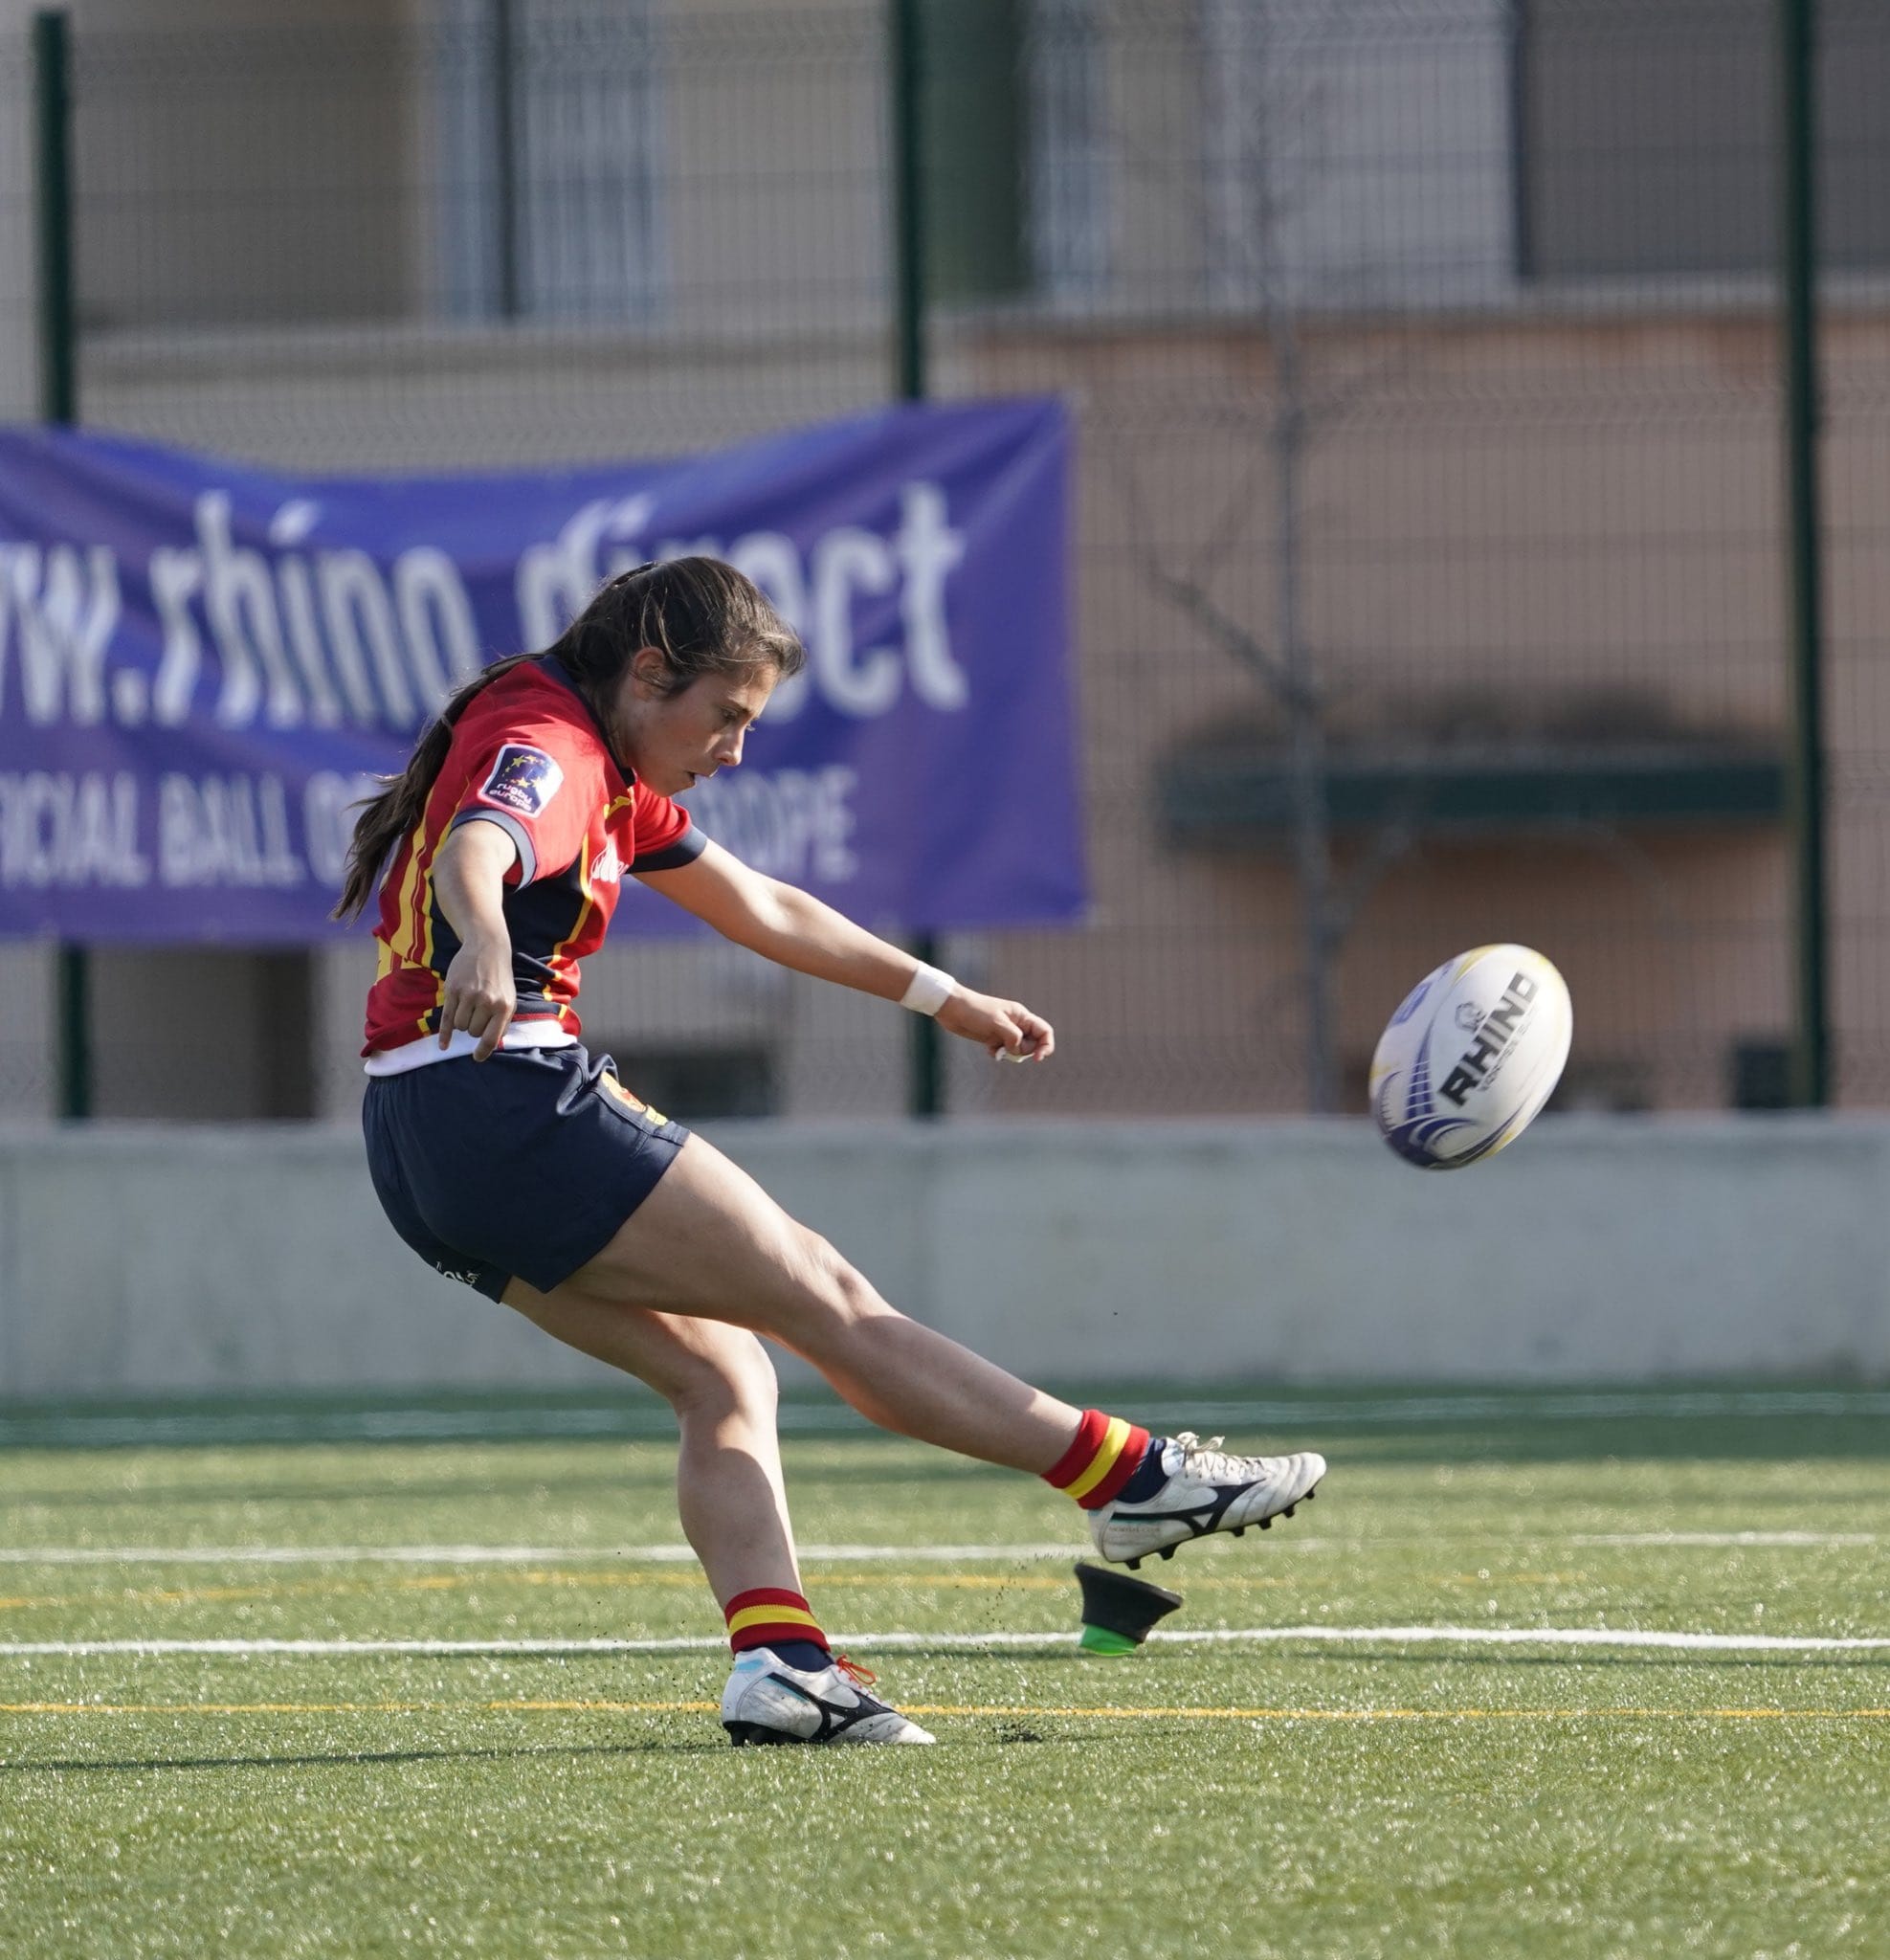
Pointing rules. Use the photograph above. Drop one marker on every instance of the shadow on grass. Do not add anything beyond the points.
(1006, 1734)
(347, 1758)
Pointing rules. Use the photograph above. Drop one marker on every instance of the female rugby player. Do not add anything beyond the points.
(511, 1159)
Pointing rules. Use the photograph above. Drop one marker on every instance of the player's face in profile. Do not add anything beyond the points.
(674, 740)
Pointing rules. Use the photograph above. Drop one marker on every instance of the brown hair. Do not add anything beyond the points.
(704, 617)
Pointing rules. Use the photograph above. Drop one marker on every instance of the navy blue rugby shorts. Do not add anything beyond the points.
(526, 1163)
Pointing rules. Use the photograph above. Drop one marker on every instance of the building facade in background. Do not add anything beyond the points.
(1430, 548)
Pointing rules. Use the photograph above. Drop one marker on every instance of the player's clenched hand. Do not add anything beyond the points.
(1007, 1029)
(479, 995)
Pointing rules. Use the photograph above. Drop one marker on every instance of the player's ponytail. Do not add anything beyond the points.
(385, 819)
(704, 617)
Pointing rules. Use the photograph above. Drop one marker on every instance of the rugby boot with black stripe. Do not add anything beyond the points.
(766, 1701)
(1204, 1490)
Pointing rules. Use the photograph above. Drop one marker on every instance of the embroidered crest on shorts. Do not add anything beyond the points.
(523, 779)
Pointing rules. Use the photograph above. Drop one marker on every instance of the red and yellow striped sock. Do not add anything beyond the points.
(766, 1614)
(1107, 1454)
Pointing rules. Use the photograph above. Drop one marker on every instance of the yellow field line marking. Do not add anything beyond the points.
(934, 1557)
(352, 1708)
(1421, 1714)
(184, 1595)
(1105, 1713)
(451, 1582)
(304, 1589)
(457, 1582)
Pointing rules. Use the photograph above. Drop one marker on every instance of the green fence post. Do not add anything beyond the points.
(925, 1096)
(1811, 1068)
(58, 404)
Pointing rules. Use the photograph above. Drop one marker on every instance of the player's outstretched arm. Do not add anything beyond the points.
(795, 929)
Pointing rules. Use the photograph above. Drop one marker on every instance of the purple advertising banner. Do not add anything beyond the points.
(203, 665)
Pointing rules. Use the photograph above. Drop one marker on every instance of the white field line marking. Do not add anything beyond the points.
(1506, 1637)
(631, 1421)
(1724, 1538)
(504, 1554)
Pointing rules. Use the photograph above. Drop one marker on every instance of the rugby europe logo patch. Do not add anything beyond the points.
(523, 779)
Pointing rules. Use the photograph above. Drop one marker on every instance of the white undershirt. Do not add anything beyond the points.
(539, 1032)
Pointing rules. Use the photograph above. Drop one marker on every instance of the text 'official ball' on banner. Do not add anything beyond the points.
(203, 665)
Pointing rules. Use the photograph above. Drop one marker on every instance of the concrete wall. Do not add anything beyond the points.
(141, 1260)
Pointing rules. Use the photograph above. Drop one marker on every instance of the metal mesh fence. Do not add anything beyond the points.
(1430, 560)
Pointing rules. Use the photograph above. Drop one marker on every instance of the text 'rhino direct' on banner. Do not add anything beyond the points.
(203, 665)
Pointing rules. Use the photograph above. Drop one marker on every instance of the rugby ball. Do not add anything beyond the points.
(1469, 1057)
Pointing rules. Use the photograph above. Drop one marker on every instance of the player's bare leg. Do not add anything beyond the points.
(786, 1685)
(709, 1245)
(721, 1383)
(708, 1241)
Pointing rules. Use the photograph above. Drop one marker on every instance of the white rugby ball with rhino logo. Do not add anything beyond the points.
(1471, 1056)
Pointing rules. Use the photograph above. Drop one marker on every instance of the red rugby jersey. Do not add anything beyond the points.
(529, 755)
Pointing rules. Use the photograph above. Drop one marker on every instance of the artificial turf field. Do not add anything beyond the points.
(1348, 1790)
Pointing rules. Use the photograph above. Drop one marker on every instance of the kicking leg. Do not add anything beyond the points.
(709, 1241)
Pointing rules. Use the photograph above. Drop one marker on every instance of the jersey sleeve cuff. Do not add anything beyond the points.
(512, 829)
(686, 849)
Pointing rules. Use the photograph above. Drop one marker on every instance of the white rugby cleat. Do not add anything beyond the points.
(766, 1701)
(1207, 1490)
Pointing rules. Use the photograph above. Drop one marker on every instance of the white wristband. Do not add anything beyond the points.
(929, 991)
